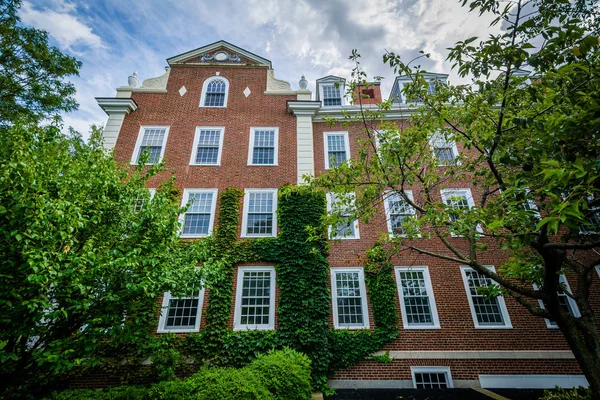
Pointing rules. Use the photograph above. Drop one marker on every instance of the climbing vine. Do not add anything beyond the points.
(299, 255)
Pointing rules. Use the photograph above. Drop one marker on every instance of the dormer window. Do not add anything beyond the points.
(332, 96)
(214, 92)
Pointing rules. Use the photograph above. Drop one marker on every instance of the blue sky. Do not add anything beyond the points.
(114, 38)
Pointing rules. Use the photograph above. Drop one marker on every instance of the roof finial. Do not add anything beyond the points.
(133, 80)
(303, 83)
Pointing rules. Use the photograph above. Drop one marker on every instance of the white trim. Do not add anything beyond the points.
(245, 212)
(356, 235)
(326, 147)
(237, 325)
(572, 303)
(164, 312)
(275, 143)
(205, 84)
(363, 296)
(434, 314)
(197, 138)
(532, 381)
(500, 299)
(138, 142)
(448, 193)
(435, 370)
(386, 195)
(213, 207)
(152, 192)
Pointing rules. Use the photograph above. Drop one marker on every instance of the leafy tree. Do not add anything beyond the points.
(32, 73)
(530, 146)
(85, 251)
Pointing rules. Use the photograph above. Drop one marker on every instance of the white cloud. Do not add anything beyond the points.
(65, 28)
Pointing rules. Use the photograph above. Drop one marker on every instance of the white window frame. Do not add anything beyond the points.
(562, 279)
(342, 88)
(501, 303)
(275, 143)
(138, 143)
(197, 139)
(447, 193)
(245, 212)
(434, 314)
(363, 296)
(213, 207)
(165, 311)
(237, 325)
(326, 147)
(386, 195)
(438, 136)
(435, 370)
(205, 86)
(356, 235)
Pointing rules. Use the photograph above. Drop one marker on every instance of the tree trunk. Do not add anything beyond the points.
(584, 342)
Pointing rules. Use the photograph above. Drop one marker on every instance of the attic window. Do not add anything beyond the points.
(368, 94)
(214, 92)
(332, 96)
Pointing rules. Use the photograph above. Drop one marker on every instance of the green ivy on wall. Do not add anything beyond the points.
(299, 255)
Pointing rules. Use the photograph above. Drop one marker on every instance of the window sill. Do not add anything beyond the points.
(493, 327)
(351, 328)
(205, 165)
(253, 328)
(188, 236)
(212, 106)
(262, 165)
(421, 328)
(190, 330)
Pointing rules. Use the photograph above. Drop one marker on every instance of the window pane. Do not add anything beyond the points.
(260, 213)
(458, 202)
(197, 217)
(336, 150)
(255, 298)
(445, 156)
(431, 380)
(152, 141)
(348, 297)
(182, 313)
(263, 147)
(331, 96)
(399, 211)
(208, 147)
(487, 310)
(416, 298)
(215, 93)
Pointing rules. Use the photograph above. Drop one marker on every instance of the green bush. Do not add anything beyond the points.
(228, 384)
(285, 373)
(116, 393)
(564, 394)
(172, 390)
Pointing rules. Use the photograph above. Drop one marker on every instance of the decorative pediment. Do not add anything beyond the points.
(219, 53)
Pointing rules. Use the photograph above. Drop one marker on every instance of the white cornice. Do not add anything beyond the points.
(340, 112)
(303, 107)
(112, 105)
(221, 43)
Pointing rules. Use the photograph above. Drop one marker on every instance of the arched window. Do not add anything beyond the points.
(214, 92)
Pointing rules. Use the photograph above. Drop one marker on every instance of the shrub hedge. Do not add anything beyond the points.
(278, 375)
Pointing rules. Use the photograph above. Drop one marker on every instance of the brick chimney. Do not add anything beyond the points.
(369, 94)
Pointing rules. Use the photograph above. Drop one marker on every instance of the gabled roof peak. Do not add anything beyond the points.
(219, 52)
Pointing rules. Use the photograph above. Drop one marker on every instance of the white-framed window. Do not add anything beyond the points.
(397, 211)
(488, 313)
(593, 219)
(152, 139)
(215, 91)
(260, 216)
(332, 94)
(416, 298)
(255, 299)
(208, 145)
(181, 314)
(140, 202)
(349, 298)
(567, 303)
(346, 228)
(264, 146)
(445, 150)
(459, 201)
(431, 377)
(199, 218)
(337, 148)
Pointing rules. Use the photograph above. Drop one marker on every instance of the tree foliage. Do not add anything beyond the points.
(530, 148)
(85, 251)
(32, 73)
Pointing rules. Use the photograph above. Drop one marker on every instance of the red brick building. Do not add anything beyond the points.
(220, 119)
